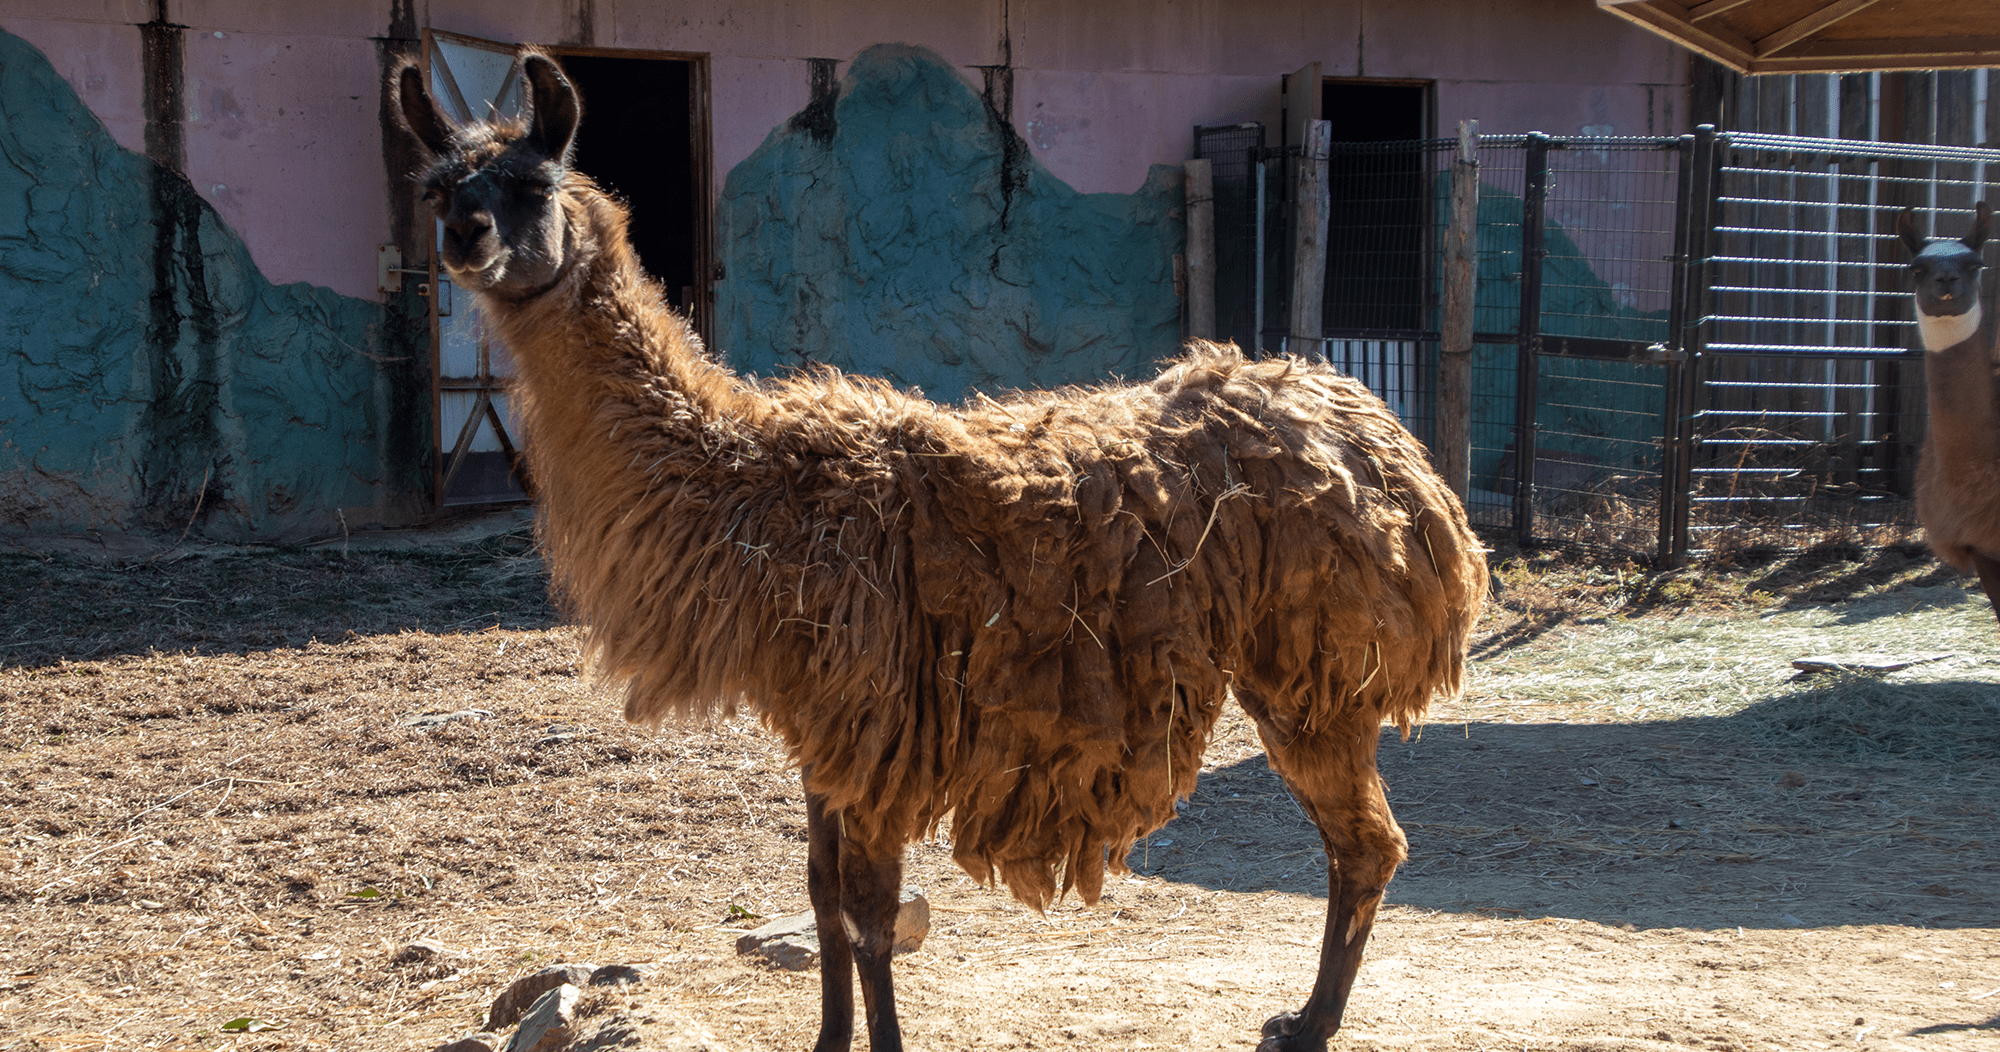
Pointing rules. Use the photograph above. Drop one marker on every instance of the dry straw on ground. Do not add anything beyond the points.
(1641, 821)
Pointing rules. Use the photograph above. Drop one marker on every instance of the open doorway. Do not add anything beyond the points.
(645, 138)
(639, 140)
(1377, 206)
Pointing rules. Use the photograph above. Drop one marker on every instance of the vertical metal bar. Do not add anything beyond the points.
(1257, 220)
(1705, 185)
(1673, 448)
(1534, 208)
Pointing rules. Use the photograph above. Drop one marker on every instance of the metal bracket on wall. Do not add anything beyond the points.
(389, 270)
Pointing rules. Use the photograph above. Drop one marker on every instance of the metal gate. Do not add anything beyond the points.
(1712, 329)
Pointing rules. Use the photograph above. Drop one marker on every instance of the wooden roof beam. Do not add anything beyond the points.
(1670, 20)
(1812, 23)
(1907, 53)
(1713, 8)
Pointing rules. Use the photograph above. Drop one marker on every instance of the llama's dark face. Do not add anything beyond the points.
(497, 188)
(1945, 273)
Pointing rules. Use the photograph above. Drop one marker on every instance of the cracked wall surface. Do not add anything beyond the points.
(149, 374)
(898, 229)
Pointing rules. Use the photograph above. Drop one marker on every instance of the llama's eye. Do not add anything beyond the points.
(432, 196)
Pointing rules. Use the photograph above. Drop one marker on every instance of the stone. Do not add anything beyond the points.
(481, 1042)
(617, 975)
(546, 1027)
(418, 952)
(792, 943)
(514, 1001)
(439, 719)
(658, 1028)
(913, 919)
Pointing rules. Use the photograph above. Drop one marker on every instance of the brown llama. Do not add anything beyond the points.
(1023, 614)
(1958, 476)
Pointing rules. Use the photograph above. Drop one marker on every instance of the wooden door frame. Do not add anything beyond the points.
(444, 466)
(706, 268)
(701, 157)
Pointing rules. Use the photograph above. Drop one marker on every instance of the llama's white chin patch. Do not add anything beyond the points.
(1948, 330)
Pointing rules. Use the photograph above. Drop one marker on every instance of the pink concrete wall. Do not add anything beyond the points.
(284, 139)
(95, 47)
(282, 134)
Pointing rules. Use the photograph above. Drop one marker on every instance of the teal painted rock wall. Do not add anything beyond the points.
(149, 374)
(900, 232)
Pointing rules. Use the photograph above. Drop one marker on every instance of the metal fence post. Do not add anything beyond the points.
(1534, 208)
(1673, 451)
(1690, 312)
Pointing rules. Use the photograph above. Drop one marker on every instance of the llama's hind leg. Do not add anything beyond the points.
(1989, 578)
(836, 953)
(1331, 771)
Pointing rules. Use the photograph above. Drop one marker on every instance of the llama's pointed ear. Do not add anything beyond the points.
(1982, 223)
(1906, 228)
(554, 105)
(420, 112)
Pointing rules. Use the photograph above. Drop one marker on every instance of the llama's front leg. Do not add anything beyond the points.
(1989, 578)
(871, 882)
(836, 954)
(1332, 773)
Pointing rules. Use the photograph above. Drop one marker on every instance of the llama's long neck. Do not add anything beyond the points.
(1959, 374)
(601, 346)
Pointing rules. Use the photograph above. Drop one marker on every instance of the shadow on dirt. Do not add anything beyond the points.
(1856, 802)
(63, 608)
(1954, 1028)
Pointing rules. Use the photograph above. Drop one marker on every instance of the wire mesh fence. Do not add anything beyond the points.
(1813, 402)
(1683, 345)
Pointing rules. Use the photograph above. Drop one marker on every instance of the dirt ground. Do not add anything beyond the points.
(1641, 829)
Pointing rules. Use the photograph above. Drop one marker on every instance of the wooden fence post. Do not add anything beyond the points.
(1308, 336)
(1200, 250)
(1461, 288)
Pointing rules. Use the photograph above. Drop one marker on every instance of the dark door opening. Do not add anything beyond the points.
(638, 141)
(1377, 207)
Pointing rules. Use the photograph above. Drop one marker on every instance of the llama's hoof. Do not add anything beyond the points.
(1281, 1034)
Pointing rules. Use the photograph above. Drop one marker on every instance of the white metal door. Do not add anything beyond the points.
(478, 460)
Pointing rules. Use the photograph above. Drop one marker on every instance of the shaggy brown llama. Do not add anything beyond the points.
(1023, 614)
(1958, 476)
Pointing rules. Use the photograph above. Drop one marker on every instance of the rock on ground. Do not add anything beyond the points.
(657, 1028)
(792, 943)
(545, 1004)
(513, 1002)
(546, 1027)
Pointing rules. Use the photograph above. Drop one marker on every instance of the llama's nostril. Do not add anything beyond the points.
(469, 228)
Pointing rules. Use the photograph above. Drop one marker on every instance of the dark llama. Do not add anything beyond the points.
(1958, 476)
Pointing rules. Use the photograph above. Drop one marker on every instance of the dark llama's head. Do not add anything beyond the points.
(1946, 275)
(499, 186)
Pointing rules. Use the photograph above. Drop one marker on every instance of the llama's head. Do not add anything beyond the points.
(498, 186)
(1946, 275)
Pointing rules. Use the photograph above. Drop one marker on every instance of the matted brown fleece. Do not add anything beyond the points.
(1024, 614)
